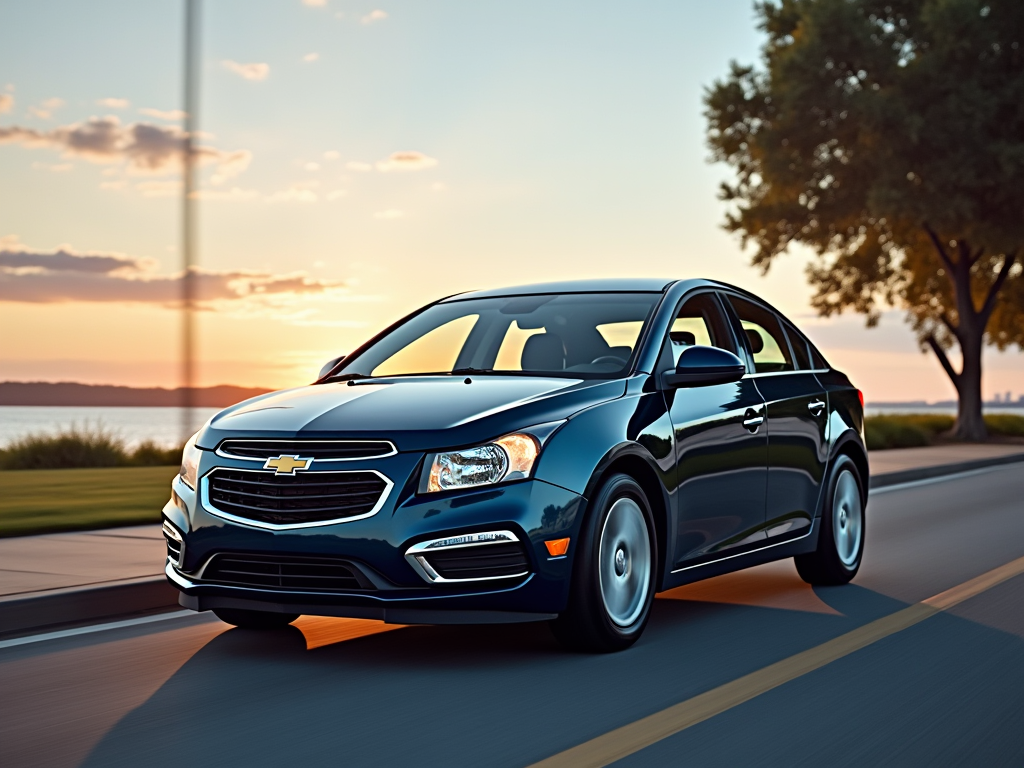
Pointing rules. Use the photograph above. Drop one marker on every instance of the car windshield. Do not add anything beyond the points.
(582, 335)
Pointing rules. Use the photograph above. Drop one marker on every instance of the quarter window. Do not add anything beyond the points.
(764, 337)
(799, 345)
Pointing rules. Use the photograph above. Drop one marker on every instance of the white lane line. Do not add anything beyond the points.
(95, 628)
(938, 479)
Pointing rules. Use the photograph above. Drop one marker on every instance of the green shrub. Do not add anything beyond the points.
(1006, 424)
(898, 431)
(70, 448)
(149, 454)
(911, 430)
(77, 448)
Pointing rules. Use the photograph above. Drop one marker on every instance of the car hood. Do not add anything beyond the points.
(416, 413)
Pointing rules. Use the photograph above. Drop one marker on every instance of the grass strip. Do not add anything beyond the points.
(52, 500)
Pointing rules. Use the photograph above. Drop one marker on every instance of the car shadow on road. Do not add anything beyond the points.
(436, 695)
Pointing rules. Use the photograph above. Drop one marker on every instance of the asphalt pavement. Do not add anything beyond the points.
(948, 690)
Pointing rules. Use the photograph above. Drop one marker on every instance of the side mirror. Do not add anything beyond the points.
(704, 366)
(329, 366)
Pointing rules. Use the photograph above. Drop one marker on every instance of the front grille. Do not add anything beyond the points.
(479, 562)
(298, 572)
(314, 497)
(322, 450)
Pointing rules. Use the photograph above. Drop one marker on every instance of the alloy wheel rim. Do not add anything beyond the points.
(624, 562)
(847, 519)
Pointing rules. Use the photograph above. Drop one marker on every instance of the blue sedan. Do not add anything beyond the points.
(557, 452)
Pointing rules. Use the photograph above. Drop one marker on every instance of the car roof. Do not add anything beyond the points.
(607, 285)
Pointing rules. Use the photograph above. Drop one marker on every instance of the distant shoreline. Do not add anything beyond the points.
(42, 393)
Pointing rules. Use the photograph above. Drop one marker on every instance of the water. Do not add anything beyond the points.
(948, 410)
(133, 425)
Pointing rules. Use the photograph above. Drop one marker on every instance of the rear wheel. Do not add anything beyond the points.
(254, 619)
(613, 573)
(841, 539)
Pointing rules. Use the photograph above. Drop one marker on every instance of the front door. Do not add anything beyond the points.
(797, 411)
(721, 445)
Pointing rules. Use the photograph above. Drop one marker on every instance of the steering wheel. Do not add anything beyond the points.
(608, 359)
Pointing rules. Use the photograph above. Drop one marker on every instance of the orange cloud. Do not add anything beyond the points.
(254, 71)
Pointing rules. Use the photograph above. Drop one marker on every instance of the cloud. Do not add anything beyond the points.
(64, 275)
(146, 148)
(113, 103)
(439, 186)
(332, 155)
(390, 213)
(361, 167)
(336, 194)
(254, 71)
(6, 103)
(373, 16)
(312, 166)
(311, 57)
(45, 110)
(296, 193)
(234, 194)
(174, 115)
(406, 161)
(315, 3)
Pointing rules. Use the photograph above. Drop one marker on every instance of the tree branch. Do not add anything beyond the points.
(993, 292)
(938, 247)
(950, 325)
(977, 256)
(944, 361)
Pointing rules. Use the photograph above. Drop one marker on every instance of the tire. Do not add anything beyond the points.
(254, 619)
(614, 572)
(841, 539)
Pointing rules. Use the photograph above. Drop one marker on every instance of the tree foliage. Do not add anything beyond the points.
(888, 135)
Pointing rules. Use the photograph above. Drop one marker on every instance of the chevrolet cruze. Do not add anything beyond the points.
(556, 452)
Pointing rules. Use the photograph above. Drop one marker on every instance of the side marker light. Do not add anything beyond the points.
(557, 547)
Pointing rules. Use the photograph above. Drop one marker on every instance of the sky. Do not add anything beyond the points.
(360, 159)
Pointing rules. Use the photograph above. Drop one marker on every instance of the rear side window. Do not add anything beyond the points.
(764, 335)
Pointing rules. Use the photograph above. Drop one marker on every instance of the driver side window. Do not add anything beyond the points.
(699, 321)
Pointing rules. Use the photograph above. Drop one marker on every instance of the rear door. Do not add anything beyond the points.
(721, 449)
(797, 414)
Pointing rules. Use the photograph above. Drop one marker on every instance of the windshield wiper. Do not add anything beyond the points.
(467, 371)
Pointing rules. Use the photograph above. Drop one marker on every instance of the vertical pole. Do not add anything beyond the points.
(188, 223)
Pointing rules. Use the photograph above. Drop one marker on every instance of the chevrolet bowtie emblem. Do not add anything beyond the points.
(286, 465)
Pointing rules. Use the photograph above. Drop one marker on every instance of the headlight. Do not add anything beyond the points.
(507, 458)
(190, 462)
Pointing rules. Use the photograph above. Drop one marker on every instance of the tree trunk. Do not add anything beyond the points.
(970, 425)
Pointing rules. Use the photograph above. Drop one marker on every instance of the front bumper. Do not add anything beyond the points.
(534, 511)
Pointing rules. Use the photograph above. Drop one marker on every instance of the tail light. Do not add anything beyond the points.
(860, 396)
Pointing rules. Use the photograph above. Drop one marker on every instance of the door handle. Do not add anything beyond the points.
(815, 406)
(752, 420)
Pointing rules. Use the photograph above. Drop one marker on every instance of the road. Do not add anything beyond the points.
(948, 690)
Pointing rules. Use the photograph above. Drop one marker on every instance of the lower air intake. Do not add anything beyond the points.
(285, 572)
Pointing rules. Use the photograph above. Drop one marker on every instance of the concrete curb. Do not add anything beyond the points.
(38, 611)
(925, 473)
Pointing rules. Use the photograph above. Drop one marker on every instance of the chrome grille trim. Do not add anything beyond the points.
(416, 554)
(290, 446)
(204, 490)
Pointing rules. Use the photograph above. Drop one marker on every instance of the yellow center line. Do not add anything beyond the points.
(633, 737)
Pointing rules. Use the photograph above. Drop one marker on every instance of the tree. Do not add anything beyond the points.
(888, 136)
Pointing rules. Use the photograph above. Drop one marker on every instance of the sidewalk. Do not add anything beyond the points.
(75, 577)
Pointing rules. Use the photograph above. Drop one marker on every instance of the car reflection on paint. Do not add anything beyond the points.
(555, 452)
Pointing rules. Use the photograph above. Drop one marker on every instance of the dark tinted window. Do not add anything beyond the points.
(699, 322)
(765, 338)
(580, 335)
(799, 345)
(817, 360)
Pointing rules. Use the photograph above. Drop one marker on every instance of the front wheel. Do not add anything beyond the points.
(254, 619)
(613, 573)
(841, 539)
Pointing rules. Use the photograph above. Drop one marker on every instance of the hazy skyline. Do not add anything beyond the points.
(360, 160)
